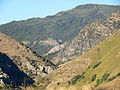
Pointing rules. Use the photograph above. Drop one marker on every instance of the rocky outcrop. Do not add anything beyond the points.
(91, 35)
(17, 61)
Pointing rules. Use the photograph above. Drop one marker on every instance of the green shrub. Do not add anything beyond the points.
(1, 87)
(69, 82)
(76, 78)
(33, 85)
(118, 75)
(105, 76)
(88, 67)
(58, 83)
(112, 78)
(96, 65)
(8, 86)
(98, 81)
(93, 78)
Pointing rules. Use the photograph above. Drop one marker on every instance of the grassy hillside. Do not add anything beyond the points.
(63, 26)
(113, 85)
(101, 63)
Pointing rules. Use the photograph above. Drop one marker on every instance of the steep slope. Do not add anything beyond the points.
(113, 85)
(39, 33)
(98, 66)
(17, 61)
(89, 36)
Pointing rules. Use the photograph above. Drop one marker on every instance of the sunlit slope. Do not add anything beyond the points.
(104, 66)
(113, 85)
(105, 62)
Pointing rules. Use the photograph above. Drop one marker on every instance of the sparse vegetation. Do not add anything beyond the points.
(96, 65)
(1, 87)
(33, 85)
(93, 78)
(17, 60)
(7, 86)
(76, 78)
(68, 82)
(104, 78)
(58, 83)
(105, 67)
(112, 78)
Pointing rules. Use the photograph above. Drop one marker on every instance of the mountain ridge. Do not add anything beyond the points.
(89, 61)
(63, 26)
(89, 36)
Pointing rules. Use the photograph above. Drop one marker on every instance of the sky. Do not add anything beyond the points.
(11, 10)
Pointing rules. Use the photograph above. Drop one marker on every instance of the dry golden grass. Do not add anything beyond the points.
(109, 56)
(113, 85)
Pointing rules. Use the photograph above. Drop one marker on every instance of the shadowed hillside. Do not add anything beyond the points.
(14, 75)
(18, 61)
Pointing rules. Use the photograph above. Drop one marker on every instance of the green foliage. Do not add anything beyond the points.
(93, 78)
(89, 67)
(33, 85)
(98, 81)
(8, 86)
(118, 75)
(69, 82)
(112, 78)
(1, 87)
(76, 78)
(58, 83)
(104, 78)
(96, 65)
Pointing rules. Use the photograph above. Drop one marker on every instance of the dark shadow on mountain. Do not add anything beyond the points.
(15, 76)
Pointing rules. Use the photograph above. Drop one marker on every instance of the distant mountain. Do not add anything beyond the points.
(98, 69)
(17, 62)
(39, 33)
(89, 36)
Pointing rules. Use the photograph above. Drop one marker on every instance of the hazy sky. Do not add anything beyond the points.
(23, 9)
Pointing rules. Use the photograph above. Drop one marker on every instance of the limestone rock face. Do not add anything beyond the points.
(91, 35)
